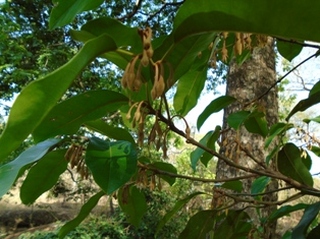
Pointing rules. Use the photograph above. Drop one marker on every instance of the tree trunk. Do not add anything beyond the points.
(247, 82)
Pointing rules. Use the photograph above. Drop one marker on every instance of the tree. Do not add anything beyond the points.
(152, 66)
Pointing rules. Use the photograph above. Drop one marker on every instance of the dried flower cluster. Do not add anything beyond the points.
(145, 180)
(75, 157)
(242, 41)
(132, 78)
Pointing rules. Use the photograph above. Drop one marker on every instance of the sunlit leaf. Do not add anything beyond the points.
(211, 143)
(69, 115)
(10, 171)
(310, 213)
(215, 106)
(83, 214)
(189, 89)
(112, 164)
(37, 99)
(289, 50)
(291, 165)
(199, 225)
(177, 207)
(43, 176)
(133, 203)
(64, 12)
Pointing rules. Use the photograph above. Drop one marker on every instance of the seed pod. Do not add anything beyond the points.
(145, 58)
(224, 52)
(150, 51)
(238, 45)
(124, 80)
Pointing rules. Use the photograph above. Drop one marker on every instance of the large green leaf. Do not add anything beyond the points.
(189, 88)
(38, 98)
(108, 130)
(201, 16)
(199, 225)
(291, 164)
(215, 106)
(68, 116)
(211, 143)
(289, 50)
(64, 12)
(43, 176)
(112, 164)
(133, 203)
(314, 233)
(84, 212)
(10, 171)
(124, 36)
(177, 207)
(310, 213)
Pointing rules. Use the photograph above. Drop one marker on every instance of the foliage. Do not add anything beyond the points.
(153, 64)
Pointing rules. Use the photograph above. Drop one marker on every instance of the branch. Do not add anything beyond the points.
(134, 11)
(299, 43)
(163, 7)
(282, 78)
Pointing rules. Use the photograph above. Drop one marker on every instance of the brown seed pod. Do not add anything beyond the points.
(238, 44)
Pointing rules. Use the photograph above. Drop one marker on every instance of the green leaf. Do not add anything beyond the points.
(166, 167)
(69, 115)
(211, 143)
(305, 104)
(276, 130)
(10, 171)
(249, 16)
(123, 35)
(289, 50)
(235, 120)
(316, 150)
(259, 185)
(184, 55)
(286, 210)
(198, 152)
(316, 119)
(310, 213)
(257, 124)
(199, 225)
(43, 176)
(189, 88)
(37, 99)
(315, 88)
(291, 165)
(64, 12)
(177, 207)
(133, 203)
(236, 224)
(314, 233)
(112, 164)
(233, 185)
(84, 212)
(108, 130)
(215, 106)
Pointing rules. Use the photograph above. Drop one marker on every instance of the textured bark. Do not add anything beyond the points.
(245, 83)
